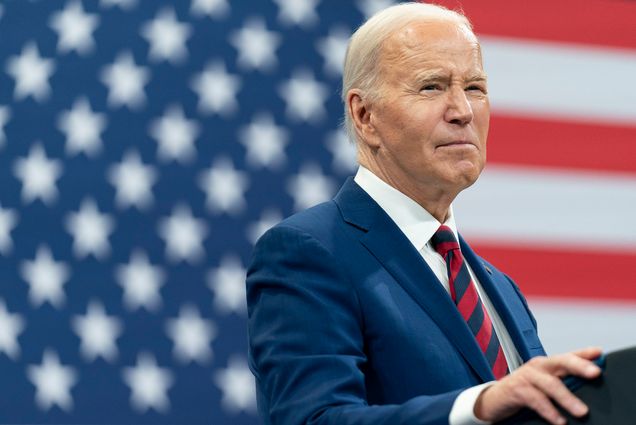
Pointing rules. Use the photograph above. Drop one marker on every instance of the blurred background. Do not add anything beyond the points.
(145, 146)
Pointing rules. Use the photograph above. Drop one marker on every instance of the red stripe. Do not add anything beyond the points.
(563, 144)
(500, 368)
(561, 272)
(467, 304)
(485, 332)
(600, 22)
(455, 267)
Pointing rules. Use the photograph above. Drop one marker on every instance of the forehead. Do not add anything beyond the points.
(427, 42)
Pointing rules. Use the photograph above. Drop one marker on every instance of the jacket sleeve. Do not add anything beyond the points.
(306, 340)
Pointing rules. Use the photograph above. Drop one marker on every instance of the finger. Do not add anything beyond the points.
(540, 403)
(554, 388)
(570, 364)
(589, 353)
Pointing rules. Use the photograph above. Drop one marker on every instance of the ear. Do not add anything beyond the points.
(360, 110)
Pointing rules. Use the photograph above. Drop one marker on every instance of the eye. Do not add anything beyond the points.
(475, 87)
(431, 87)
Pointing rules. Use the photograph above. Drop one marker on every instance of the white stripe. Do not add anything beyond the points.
(534, 206)
(564, 80)
(566, 325)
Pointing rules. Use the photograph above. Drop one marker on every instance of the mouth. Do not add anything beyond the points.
(457, 144)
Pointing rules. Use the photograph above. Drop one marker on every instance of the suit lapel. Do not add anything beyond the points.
(500, 296)
(398, 256)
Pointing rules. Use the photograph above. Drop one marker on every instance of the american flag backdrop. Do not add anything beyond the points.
(145, 145)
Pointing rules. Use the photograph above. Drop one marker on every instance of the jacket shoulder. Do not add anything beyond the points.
(316, 221)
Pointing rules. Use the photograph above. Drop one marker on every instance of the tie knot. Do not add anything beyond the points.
(444, 240)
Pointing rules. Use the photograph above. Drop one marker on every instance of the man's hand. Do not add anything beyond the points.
(537, 382)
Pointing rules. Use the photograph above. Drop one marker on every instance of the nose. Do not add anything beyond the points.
(458, 111)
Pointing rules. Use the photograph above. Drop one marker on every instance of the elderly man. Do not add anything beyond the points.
(371, 309)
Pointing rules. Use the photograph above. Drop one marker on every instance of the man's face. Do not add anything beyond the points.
(431, 118)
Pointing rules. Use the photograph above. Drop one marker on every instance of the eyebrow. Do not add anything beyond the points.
(431, 75)
(477, 77)
(436, 75)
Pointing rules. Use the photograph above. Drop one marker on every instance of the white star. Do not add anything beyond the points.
(82, 128)
(11, 325)
(333, 49)
(8, 220)
(38, 175)
(132, 181)
(238, 387)
(97, 332)
(167, 37)
(216, 90)
(148, 384)
(175, 135)
(256, 45)
(45, 278)
(90, 230)
(297, 12)
(304, 96)
(371, 7)
(5, 114)
(183, 235)
(224, 187)
(212, 8)
(268, 219)
(191, 335)
(141, 282)
(125, 82)
(122, 4)
(265, 142)
(31, 73)
(228, 284)
(74, 28)
(343, 151)
(310, 187)
(53, 382)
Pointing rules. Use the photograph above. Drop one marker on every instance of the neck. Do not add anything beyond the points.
(434, 200)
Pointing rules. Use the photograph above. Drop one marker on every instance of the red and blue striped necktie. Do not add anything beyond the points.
(464, 294)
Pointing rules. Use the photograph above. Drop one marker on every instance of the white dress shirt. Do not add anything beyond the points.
(418, 225)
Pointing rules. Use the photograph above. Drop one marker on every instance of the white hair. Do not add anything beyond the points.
(361, 69)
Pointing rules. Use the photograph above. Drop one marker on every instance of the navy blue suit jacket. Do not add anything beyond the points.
(348, 324)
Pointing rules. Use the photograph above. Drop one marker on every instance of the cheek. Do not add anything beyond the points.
(389, 119)
(481, 122)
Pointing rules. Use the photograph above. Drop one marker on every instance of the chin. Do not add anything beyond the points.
(466, 177)
(470, 169)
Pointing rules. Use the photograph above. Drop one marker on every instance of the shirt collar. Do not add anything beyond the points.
(417, 224)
